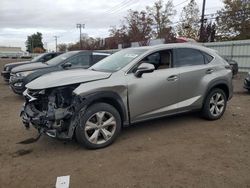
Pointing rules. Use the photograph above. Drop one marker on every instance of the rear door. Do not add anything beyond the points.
(194, 68)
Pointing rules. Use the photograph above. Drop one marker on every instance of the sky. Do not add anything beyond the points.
(20, 18)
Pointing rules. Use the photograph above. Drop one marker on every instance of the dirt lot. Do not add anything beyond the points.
(181, 151)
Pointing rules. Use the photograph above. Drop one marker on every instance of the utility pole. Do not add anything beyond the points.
(80, 27)
(32, 44)
(45, 46)
(202, 18)
(56, 41)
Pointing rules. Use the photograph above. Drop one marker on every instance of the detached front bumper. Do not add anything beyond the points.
(17, 84)
(5, 75)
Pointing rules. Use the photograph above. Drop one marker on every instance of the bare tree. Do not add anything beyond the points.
(136, 27)
(208, 32)
(119, 36)
(234, 20)
(74, 46)
(189, 21)
(88, 43)
(162, 15)
(62, 47)
(139, 27)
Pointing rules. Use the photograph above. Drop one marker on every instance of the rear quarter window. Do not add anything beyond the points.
(207, 58)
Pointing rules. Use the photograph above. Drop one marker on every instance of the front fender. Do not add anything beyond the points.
(110, 97)
(107, 89)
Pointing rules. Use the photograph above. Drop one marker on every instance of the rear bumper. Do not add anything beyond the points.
(5, 75)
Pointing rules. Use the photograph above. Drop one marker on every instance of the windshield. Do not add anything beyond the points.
(35, 59)
(117, 61)
(60, 58)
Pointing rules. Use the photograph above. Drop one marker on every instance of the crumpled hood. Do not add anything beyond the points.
(29, 67)
(66, 77)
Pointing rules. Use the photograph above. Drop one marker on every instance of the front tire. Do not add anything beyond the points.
(214, 104)
(99, 126)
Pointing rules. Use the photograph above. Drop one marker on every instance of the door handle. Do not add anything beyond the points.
(172, 78)
(209, 71)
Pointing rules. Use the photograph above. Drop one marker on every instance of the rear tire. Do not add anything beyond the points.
(99, 126)
(214, 104)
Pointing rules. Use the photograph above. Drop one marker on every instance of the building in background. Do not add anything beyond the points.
(12, 52)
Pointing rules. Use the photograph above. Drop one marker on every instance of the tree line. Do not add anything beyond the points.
(232, 22)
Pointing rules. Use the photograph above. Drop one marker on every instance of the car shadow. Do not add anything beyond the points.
(166, 122)
(177, 121)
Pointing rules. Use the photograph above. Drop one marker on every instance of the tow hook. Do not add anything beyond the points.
(32, 140)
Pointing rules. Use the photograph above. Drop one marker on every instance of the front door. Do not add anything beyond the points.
(79, 61)
(154, 94)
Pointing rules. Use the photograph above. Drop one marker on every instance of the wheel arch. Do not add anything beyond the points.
(222, 84)
(111, 98)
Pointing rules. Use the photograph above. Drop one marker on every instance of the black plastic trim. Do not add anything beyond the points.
(216, 83)
(102, 95)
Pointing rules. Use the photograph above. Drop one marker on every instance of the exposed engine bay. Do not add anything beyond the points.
(52, 111)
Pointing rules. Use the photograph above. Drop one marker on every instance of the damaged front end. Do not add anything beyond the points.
(52, 111)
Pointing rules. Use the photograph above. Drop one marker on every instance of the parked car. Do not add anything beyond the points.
(130, 86)
(247, 82)
(22, 75)
(40, 58)
(25, 56)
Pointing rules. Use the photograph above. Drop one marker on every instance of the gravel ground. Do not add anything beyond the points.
(181, 151)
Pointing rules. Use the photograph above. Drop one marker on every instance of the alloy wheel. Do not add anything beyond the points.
(217, 104)
(100, 127)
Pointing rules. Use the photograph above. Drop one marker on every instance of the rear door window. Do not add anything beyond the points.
(188, 57)
(208, 58)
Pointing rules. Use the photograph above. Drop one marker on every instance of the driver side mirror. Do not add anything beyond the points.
(66, 65)
(144, 68)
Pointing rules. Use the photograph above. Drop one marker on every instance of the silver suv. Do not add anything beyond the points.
(130, 86)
